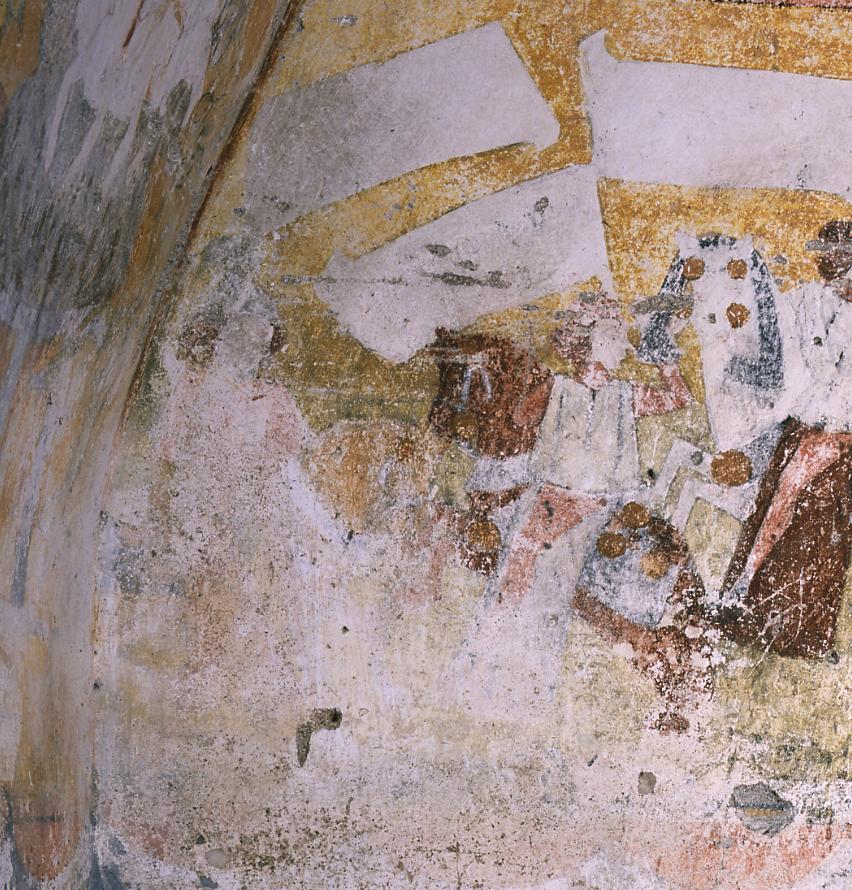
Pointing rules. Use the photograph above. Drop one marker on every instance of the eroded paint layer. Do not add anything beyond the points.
(425, 444)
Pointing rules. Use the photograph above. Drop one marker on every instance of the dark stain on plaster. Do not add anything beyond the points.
(454, 279)
(646, 783)
(321, 718)
(279, 204)
(761, 809)
(128, 568)
(198, 337)
(278, 339)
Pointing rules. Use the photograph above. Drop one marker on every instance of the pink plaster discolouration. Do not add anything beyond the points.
(721, 854)
(429, 546)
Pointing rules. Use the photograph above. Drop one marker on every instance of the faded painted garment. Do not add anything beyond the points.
(587, 440)
(789, 570)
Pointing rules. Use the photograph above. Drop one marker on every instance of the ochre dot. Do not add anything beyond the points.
(405, 448)
(737, 314)
(737, 268)
(483, 535)
(635, 515)
(655, 564)
(731, 468)
(693, 268)
(611, 545)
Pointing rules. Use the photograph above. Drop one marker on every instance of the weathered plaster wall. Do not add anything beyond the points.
(426, 455)
(113, 118)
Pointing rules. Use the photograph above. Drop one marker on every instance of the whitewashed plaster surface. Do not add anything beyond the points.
(511, 247)
(316, 144)
(696, 125)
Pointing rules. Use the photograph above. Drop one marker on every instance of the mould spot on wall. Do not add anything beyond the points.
(646, 783)
(278, 339)
(128, 569)
(321, 718)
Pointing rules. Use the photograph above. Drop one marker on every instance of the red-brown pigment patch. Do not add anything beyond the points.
(491, 394)
(664, 654)
(835, 260)
(671, 394)
(794, 597)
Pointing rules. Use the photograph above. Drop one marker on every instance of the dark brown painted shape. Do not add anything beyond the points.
(731, 468)
(791, 436)
(507, 393)
(794, 598)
